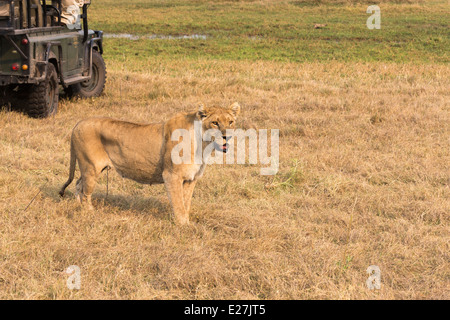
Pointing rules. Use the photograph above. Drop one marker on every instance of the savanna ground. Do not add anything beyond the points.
(364, 152)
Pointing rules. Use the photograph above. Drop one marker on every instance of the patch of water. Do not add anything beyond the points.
(154, 36)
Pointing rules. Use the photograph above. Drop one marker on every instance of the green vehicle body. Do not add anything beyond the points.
(58, 45)
(25, 53)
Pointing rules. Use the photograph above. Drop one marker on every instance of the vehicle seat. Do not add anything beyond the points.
(36, 9)
(4, 10)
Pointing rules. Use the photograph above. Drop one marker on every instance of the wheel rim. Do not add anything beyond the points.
(89, 85)
(50, 101)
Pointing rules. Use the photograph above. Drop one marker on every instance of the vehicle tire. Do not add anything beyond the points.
(93, 87)
(4, 96)
(38, 100)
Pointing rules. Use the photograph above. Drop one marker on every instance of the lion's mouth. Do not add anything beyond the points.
(223, 148)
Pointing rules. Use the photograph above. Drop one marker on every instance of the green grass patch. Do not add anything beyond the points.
(411, 31)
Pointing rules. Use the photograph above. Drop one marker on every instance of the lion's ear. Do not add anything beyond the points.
(201, 113)
(235, 108)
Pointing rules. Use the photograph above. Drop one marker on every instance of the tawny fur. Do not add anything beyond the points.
(142, 152)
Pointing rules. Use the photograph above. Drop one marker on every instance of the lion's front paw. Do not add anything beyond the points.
(182, 221)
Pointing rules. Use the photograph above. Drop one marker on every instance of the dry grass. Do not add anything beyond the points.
(363, 181)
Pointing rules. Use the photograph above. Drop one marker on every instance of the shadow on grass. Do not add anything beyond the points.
(143, 205)
(116, 202)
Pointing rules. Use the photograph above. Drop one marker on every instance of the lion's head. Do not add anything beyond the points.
(219, 120)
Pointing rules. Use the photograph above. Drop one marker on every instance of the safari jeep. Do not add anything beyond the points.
(44, 44)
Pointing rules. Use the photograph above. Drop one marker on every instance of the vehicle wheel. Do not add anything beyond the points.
(38, 100)
(93, 87)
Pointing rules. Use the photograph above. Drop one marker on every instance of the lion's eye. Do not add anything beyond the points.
(215, 123)
(231, 122)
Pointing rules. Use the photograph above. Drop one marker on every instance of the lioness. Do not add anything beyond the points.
(142, 152)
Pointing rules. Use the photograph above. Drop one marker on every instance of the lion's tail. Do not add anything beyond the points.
(73, 162)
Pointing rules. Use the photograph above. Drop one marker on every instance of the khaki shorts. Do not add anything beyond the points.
(70, 11)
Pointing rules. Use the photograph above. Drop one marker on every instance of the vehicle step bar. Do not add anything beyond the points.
(69, 81)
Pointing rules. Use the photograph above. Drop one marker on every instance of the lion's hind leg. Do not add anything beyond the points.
(87, 185)
(87, 182)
